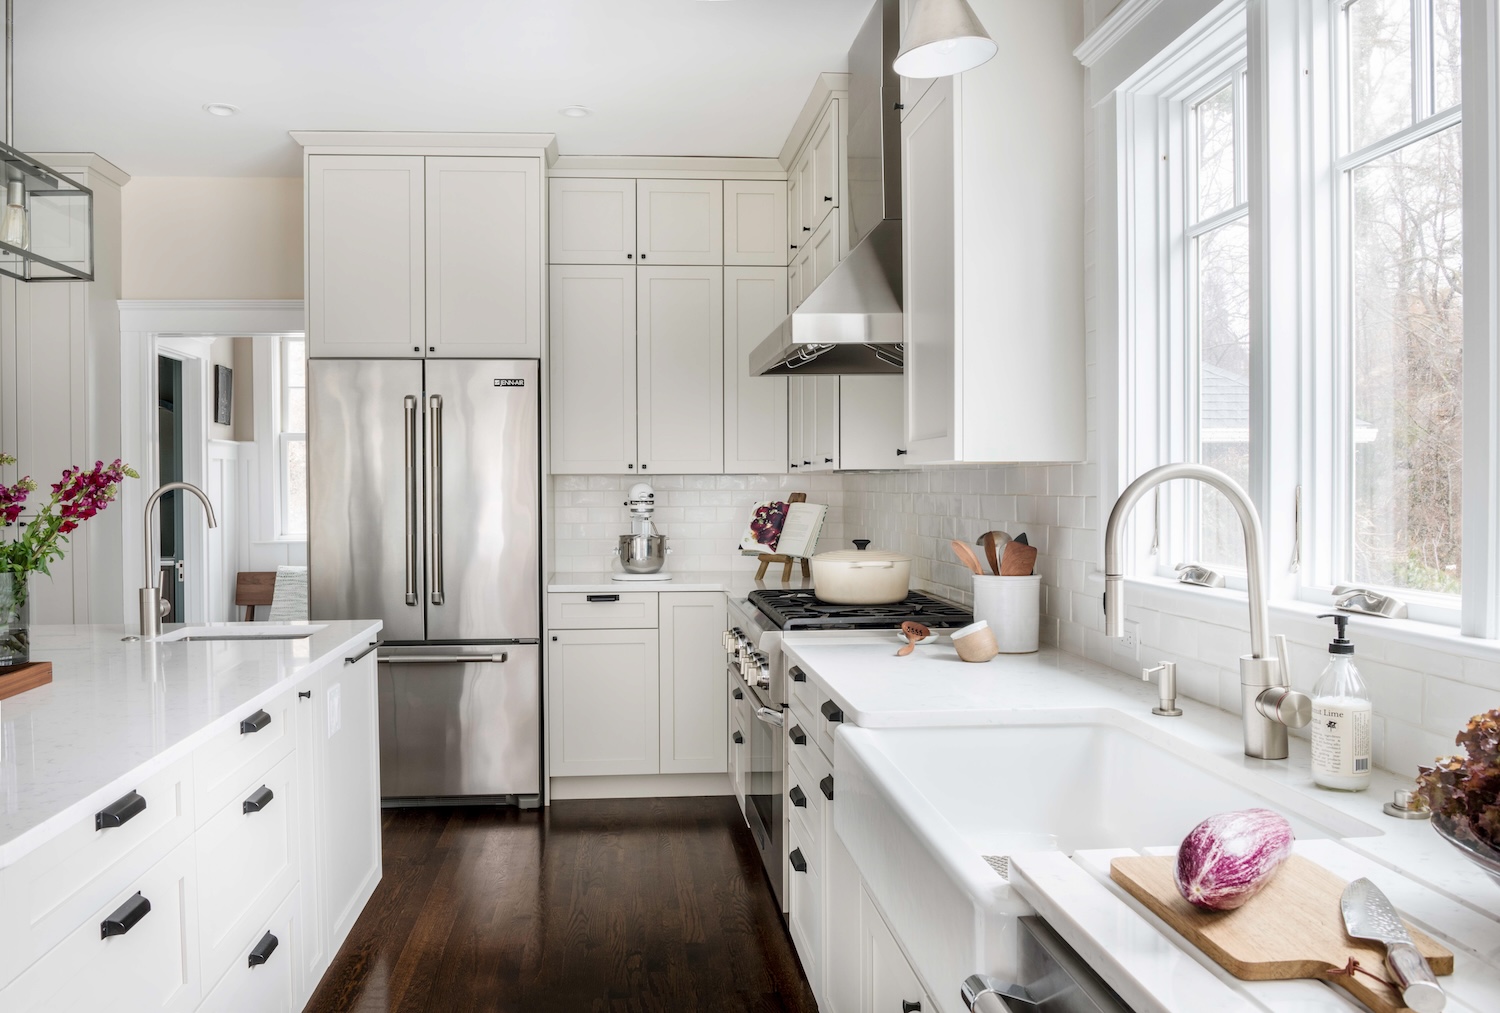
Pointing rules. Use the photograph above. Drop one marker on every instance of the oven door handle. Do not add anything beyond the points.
(769, 716)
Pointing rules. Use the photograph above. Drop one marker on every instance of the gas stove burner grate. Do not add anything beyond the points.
(801, 610)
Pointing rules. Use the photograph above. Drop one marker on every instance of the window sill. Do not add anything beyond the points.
(1228, 607)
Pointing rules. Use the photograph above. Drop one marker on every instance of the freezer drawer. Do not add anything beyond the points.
(460, 721)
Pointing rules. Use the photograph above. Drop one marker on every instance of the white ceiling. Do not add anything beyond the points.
(663, 77)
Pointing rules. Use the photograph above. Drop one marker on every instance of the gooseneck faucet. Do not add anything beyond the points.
(1268, 704)
(153, 606)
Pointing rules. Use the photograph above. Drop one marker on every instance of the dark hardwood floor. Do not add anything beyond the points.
(605, 906)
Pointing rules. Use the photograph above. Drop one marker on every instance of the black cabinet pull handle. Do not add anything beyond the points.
(597, 598)
(739, 739)
(360, 656)
(798, 862)
(832, 713)
(124, 917)
(794, 466)
(304, 694)
(254, 723)
(900, 452)
(120, 812)
(643, 256)
(806, 228)
(797, 735)
(739, 694)
(629, 256)
(827, 785)
(798, 675)
(828, 200)
(907, 1006)
(263, 949)
(827, 460)
(258, 800)
(798, 797)
(794, 246)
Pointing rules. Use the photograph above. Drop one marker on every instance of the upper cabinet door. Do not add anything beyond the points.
(755, 222)
(825, 165)
(484, 257)
(591, 221)
(823, 252)
(755, 407)
(680, 221)
(809, 214)
(365, 256)
(680, 370)
(795, 237)
(593, 371)
(871, 422)
(912, 88)
(929, 315)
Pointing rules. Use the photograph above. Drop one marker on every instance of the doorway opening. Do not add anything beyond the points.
(169, 419)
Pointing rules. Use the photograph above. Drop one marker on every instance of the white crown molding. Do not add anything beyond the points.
(82, 161)
(827, 86)
(1113, 28)
(669, 166)
(427, 141)
(216, 317)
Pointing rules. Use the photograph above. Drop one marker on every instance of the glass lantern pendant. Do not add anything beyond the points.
(15, 222)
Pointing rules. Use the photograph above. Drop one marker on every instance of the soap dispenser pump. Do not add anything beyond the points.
(1341, 718)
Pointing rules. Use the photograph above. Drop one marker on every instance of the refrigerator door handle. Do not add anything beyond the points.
(410, 402)
(435, 495)
(446, 659)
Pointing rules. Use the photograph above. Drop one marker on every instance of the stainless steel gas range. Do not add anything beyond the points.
(752, 645)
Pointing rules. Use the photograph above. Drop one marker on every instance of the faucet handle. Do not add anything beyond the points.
(1285, 705)
(1282, 660)
(1167, 673)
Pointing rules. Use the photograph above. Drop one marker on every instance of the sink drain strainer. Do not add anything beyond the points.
(1000, 863)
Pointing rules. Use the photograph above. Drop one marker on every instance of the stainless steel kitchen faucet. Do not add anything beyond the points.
(1268, 704)
(151, 599)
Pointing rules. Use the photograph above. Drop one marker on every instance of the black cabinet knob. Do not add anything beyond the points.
(794, 466)
(304, 694)
(120, 812)
(258, 800)
(263, 949)
(827, 786)
(900, 452)
(416, 348)
(794, 246)
(806, 228)
(907, 1006)
(629, 256)
(798, 797)
(832, 713)
(432, 348)
(124, 917)
(798, 675)
(807, 463)
(643, 467)
(739, 739)
(797, 735)
(254, 723)
(798, 862)
(643, 256)
(828, 200)
(827, 460)
(739, 694)
(630, 466)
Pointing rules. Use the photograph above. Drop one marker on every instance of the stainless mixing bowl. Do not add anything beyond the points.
(642, 553)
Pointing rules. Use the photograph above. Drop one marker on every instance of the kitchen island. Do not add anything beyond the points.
(966, 796)
(189, 822)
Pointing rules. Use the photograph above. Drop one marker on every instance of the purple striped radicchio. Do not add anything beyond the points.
(1229, 858)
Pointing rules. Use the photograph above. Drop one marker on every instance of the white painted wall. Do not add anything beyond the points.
(212, 238)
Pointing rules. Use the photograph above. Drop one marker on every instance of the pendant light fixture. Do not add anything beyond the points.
(943, 38)
(66, 251)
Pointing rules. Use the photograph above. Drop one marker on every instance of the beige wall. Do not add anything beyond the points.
(212, 238)
(236, 353)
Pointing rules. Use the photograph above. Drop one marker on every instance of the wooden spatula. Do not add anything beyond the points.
(915, 633)
(966, 556)
(1019, 561)
(992, 541)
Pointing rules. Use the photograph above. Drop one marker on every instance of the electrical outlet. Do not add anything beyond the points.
(335, 709)
(1130, 643)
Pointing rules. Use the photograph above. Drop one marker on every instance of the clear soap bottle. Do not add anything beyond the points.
(1341, 714)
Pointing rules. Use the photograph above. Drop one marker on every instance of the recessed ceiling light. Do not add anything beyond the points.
(220, 109)
(577, 112)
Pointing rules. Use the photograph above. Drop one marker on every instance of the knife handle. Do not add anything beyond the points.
(1419, 987)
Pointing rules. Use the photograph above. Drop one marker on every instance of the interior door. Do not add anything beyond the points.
(484, 501)
(365, 491)
(169, 540)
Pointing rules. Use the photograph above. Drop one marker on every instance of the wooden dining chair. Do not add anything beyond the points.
(252, 588)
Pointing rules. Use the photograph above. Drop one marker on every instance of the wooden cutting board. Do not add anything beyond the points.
(1293, 928)
(20, 678)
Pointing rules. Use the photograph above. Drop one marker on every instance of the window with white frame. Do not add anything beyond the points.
(292, 436)
(1399, 255)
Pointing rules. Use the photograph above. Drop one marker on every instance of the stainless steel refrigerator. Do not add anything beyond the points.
(424, 511)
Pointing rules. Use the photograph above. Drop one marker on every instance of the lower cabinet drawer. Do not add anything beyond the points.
(261, 977)
(148, 963)
(247, 864)
(614, 610)
(805, 904)
(57, 887)
(252, 745)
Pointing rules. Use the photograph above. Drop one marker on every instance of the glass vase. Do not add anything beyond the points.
(15, 620)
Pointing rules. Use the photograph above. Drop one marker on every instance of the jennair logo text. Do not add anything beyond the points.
(510, 382)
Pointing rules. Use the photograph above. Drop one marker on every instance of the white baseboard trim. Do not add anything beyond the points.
(640, 786)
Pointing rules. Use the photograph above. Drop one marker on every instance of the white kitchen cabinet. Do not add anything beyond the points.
(805, 901)
(755, 407)
(366, 255)
(679, 221)
(825, 443)
(591, 221)
(993, 254)
(755, 221)
(693, 714)
(912, 88)
(823, 247)
(799, 282)
(871, 422)
(680, 370)
(593, 367)
(484, 257)
(269, 985)
(825, 148)
(604, 713)
(806, 217)
(795, 387)
(794, 233)
(889, 985)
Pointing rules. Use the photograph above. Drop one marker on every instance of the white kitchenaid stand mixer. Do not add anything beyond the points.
(642, 552)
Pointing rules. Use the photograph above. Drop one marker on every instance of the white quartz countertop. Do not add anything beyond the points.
(117, 711)
(1429, 881)
(733, 582)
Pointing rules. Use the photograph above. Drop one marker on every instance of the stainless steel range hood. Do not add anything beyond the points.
(851, 323)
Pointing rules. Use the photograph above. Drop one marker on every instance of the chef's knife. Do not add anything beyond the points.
(1368, 915)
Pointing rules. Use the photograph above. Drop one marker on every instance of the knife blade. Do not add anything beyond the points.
(1368, 914)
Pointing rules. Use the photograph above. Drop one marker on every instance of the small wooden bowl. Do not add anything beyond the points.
(976, 643)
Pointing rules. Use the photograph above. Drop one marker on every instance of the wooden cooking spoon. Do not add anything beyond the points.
(992, 541)
(915, 633)
(966, 556)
